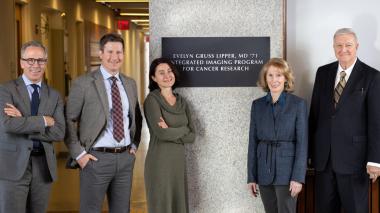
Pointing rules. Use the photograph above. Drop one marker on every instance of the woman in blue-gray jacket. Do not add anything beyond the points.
(277, 151)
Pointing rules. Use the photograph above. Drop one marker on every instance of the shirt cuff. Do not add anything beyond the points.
(373, 164)
(133, 146)
(81, 155)
(44, 121)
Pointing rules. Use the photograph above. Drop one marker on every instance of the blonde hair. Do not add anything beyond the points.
(284, 68)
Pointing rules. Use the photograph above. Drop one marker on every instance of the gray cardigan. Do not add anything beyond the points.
(277, 152)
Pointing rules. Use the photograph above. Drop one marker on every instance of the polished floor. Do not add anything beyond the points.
(65, 192)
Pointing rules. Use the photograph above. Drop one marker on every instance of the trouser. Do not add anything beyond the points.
(29, 194)
(111, 174)
(334, 191)
(277, 199)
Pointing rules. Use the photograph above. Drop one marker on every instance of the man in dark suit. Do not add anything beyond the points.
(104, 128)
(30, 120)
(345, 128)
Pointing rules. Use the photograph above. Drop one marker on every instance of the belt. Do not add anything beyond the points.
(276, 142)
(271, 147)
(37, 152)
(111, 149)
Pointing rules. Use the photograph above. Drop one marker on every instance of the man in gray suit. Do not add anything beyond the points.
(104, 128)
(31, 119)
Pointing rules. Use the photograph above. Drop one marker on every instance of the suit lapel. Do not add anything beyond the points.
(101, 89)
(128, 90)
(331, 86)
(23, 92)
(44, 96)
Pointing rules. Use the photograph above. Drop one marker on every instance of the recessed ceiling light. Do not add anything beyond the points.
(134, 14)
(124, 1)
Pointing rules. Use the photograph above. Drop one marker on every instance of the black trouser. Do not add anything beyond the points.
(335, 191)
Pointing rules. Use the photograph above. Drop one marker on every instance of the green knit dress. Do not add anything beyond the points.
(165, 178)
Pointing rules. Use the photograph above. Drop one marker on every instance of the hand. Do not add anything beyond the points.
(84, 160)
(295, 188)
(373, 172)
(12, 111)
(49, 121)
(253, 189)
(132, 151)
(162, 123)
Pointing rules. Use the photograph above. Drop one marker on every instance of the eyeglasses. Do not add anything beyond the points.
(32, 61)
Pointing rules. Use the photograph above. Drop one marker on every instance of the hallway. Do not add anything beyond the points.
(64, 197)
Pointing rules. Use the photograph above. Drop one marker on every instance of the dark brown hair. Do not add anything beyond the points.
(152, 71)
(110, 37)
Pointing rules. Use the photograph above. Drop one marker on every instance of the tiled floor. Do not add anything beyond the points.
(65, 193)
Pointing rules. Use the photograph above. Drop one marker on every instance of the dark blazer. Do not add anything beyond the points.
(16, 133)
(277, 151)
(351, 132)
(87, 112)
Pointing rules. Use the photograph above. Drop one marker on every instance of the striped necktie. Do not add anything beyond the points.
(117, 111)
(339, 88)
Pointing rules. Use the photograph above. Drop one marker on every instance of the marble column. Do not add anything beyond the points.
(216, 162)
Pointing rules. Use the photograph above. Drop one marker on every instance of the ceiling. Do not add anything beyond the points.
(137, 11)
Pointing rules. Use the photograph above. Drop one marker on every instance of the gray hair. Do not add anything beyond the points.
(345, 31)
(33, 44)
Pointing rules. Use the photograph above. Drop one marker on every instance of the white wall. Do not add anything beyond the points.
(311, 25)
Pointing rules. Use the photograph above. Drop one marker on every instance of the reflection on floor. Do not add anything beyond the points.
(64, 197)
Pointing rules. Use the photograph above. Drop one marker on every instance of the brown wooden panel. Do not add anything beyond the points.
(374, 197)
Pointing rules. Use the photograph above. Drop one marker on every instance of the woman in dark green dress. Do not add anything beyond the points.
(170, 127)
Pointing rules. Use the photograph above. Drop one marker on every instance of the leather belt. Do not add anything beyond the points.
(111, 149)
(37, 152)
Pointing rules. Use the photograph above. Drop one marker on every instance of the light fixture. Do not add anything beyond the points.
(125, 1)
(140, 20)
(134, 14)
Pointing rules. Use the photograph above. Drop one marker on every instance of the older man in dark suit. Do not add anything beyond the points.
(31, 119)
(345, 128)
(104, 128)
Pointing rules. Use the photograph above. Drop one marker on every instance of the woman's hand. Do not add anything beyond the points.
(253, 189)
(295, 188)
(162, 123)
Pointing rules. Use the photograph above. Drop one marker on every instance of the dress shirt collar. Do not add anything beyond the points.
(28, 82)
(281, 100)
(107, 75)
(348, 70)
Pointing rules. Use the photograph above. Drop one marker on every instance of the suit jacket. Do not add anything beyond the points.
(87, 111)
(277, 151)
(350, 133)
(16, 133)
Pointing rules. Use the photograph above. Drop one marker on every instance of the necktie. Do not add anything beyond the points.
(35, 102)
(117, 111)
(339, 88)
